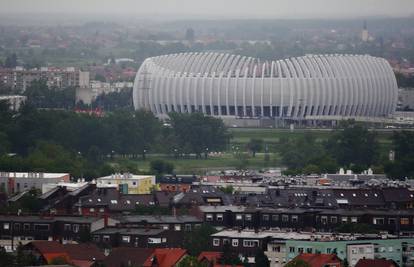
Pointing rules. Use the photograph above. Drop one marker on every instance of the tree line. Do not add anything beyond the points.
(353, 147)
(60, 140)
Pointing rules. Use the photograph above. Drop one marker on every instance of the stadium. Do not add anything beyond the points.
(233, 87)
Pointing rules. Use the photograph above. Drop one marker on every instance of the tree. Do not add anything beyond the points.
(354, 145)
(297, 263)
(403, 166)
(197, 133)
(198, 240)
(11, 61)
(255, 145)
(160, 167)
(261, 259)
(229, 257)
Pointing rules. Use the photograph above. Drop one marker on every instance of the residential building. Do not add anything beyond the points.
(319, 260)
(176, 183)
(376, 263)
(165, 257)
(79, 255)
(14, 101)
(128, 183)
(20, 79)
(15, 182)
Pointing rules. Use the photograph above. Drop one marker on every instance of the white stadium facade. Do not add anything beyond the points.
(312, 87)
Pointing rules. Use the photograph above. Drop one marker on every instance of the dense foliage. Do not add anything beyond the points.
(64, 141)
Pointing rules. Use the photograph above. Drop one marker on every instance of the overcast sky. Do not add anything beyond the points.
(217, 8)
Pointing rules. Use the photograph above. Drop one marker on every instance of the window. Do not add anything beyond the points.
(294, 218)
(390, 249)
(114, 201)
(177, 227)
(250, 243)
(361, 250)
(235, 242)
(26, 227)
(324, 219)
(248, 217)
(285, 218)
(187, 227)
(91, 210)
(300, 250)
(239, 217)
(265, 217)
(379, 221)
(309, 250)
(41, 227)
(344, 219)
(96, 238)
(125, 238)
(101, 210)
(354, 219)
(66, 227)
(75, 228)
(276, 248)
(226, 241)
(17, 226)
(275, 218)
(292, 249)
(368, 250)
(405, 221)
(219, 217)
(165, 226)
(334, 219)
(209, 217)
(329, 250)
(216, 242)
(391, 221)
(106, 238)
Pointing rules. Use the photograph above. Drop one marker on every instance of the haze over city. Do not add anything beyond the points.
(217, 8)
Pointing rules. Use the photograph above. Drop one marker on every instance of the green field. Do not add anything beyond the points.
(241, 136)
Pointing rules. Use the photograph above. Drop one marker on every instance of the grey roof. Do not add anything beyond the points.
(129, 231)
(159, 219)
(48, 219)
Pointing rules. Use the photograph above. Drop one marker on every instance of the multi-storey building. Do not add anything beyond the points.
(20, 79)
(15, 182)
(283, 246)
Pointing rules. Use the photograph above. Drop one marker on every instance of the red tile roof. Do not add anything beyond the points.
(82, 255)
(320, 260)
(166, 257)
(376, 263)
(210, 256)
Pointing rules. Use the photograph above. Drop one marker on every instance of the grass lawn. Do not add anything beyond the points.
(241, 137)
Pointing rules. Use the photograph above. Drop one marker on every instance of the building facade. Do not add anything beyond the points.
(15, 182)
(310, 87)
(19, 78)
(128, 183)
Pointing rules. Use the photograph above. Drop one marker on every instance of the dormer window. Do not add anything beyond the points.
(114, 201)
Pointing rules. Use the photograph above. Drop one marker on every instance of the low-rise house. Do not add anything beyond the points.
(125, 256)
(82, 255)
(376, 263)
(165, 257)
(176, 183)
(319, 260)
